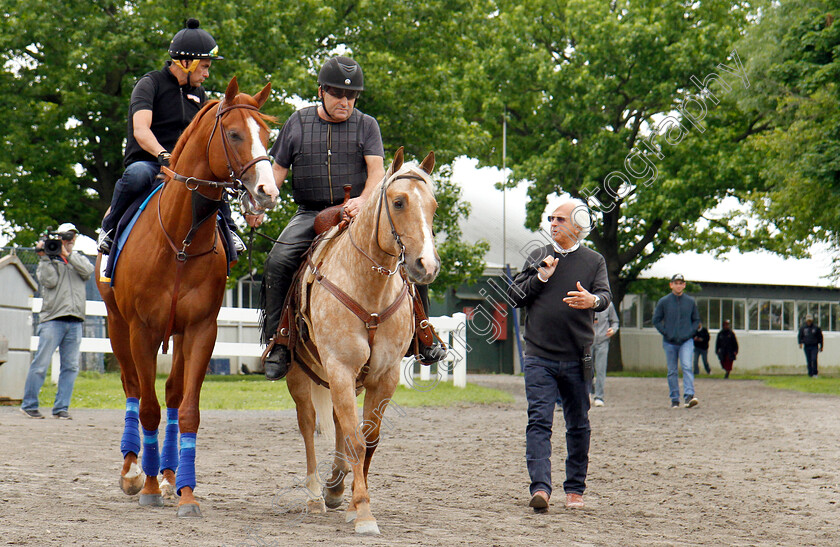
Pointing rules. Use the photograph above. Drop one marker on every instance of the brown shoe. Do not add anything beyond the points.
(539, 501)
(574, 501)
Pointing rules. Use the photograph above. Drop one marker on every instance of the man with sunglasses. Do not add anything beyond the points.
(561, 287)
(325, 147)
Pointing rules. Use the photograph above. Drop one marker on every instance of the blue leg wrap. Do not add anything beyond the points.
(186, 475)
(151, 456)
(170, 442)
(131, 433)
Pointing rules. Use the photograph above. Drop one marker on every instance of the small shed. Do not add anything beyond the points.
(16, 289)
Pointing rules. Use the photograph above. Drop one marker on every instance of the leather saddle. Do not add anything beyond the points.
(293, 331)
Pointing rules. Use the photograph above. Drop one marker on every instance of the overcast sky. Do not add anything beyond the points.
(490, 212)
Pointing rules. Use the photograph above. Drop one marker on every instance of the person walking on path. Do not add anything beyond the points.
(701, 349)
(606, 325)
(676, 318)
(62, 279)
(811, 338)
(726, 347)
(560, 287)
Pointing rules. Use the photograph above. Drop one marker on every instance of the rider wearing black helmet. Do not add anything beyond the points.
(162, 105)
(326, 147)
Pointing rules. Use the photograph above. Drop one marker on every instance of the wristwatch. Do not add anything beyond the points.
(597, 301)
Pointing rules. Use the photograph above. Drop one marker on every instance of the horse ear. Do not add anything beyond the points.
(263, 95)
(232, 90)
(397, 163)
(428, 164)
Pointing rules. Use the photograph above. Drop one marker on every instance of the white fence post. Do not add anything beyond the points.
(459, 347)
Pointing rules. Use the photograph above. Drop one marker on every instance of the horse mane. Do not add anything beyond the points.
(182, 140)
(262, 120)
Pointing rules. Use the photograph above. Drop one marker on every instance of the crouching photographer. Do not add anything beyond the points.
(61, 274)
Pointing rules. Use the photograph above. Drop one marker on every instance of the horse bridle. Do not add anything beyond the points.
(234, 181)
(234, 178)
(210, 206)
(401, 257)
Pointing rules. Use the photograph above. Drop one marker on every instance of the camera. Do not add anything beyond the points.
(53, 242)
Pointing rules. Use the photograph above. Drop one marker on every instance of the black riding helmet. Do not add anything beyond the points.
(192, 42)
(342, 72)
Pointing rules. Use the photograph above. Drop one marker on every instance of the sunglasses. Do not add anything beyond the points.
(340, 93)
(560, 220)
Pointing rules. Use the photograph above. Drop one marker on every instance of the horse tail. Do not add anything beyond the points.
(322, 402)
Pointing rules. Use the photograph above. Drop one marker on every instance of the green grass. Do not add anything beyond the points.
(798, 382)
(253, 392)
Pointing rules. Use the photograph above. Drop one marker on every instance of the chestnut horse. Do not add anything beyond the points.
(360, 321)
(170, 279)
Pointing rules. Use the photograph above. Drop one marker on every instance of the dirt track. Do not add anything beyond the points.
(749, 466)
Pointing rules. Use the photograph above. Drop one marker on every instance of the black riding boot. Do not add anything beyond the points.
(429, 355)
(280, 268)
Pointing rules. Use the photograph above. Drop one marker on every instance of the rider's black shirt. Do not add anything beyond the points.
(173, 107)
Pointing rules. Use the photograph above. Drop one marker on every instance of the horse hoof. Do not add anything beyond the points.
(152, 500)
(189, 510)
(350, 516)
(167, 490)
(132, 482)
(333, 502)
(367, 527)
(316, 506)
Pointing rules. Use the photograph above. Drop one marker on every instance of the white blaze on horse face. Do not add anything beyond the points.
(265, 178)
(428, 257)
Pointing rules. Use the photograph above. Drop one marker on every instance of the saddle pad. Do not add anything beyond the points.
(126, 224)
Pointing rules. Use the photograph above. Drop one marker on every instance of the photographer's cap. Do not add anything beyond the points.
(66, 227)
(677, 277)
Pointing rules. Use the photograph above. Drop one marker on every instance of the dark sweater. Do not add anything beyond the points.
(554, 330)
(676, 318)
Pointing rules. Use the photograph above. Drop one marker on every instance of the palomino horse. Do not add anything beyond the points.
(170, 279)
(360, 323)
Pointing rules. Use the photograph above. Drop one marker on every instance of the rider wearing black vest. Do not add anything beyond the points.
(163, 103)
(326, 147)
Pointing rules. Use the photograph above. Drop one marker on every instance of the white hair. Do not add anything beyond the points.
(581, 215)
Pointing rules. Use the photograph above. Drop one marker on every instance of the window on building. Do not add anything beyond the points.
(826, 314)
(835, 317)
(246, 294)
(771, 315)
(713, 311)
(629, 311)
(738, 317)
(648, 305)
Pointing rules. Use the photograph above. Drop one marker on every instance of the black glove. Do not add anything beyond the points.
(163, 158)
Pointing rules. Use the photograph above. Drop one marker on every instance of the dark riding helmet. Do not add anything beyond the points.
(342, 72)
(192, 42)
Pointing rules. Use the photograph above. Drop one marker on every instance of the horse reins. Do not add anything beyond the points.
(192, 184)
(401, 257)
(370, 320)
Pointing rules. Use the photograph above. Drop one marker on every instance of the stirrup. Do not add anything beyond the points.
(104, 241)
(238, 244)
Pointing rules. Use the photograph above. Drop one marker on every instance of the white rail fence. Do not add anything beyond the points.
(451, 330)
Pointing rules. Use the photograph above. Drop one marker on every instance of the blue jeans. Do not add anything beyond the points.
(67, 337)
(811, 353)
(704, 354)
(683, 353)
(544, 381)
(600, 351)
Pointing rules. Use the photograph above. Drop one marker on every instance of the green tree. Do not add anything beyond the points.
(794, 57)
(582, 84)
(69, 68)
